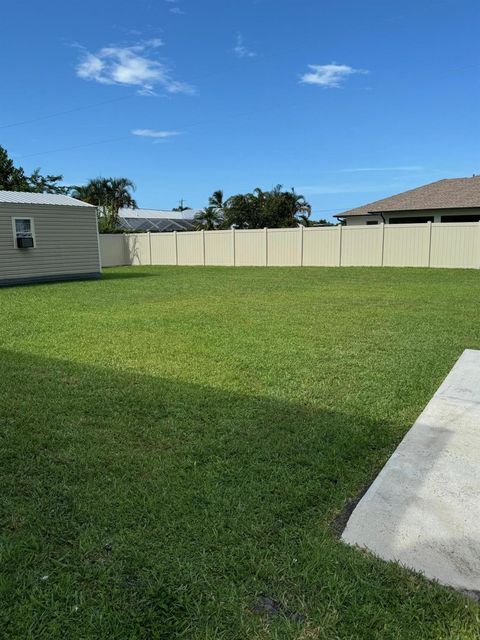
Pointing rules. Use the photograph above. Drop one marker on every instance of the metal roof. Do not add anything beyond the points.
(187, 214)
(24, 197)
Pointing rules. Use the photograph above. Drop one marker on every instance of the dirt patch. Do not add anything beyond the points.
(268, 607)
(340, 521)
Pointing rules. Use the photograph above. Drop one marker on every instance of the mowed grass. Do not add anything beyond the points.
(177, 442)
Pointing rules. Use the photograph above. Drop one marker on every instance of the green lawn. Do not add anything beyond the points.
(176, 442)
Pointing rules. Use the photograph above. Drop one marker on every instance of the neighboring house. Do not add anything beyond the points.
(155, 220)
(449, 200)
(46, 237)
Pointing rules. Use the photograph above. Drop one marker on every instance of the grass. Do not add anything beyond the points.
(176, 442)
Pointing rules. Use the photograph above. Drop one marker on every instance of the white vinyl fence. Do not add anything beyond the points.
(395, 245)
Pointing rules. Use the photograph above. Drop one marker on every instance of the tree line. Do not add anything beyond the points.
(274, 208)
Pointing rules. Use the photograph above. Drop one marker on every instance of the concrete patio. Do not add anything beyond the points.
(423, 509)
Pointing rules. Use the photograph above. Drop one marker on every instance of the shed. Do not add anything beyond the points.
(47, 237)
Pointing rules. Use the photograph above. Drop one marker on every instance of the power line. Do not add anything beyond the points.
(247, 113)
(75, 146)
(61, 113)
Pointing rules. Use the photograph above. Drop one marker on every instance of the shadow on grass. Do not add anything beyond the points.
(150, 508)
(127, 273)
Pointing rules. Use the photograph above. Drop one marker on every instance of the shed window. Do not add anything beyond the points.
(372, 221)
(23, 233)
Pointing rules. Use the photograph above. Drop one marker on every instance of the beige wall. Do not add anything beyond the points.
(113, 249)
(66, 243)
(362, 246)
(409, 245)
(322, 246)
(219, 248)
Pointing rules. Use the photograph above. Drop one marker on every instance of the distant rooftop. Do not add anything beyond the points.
(450, 193)
(25, 197)
(155, 225)
(188, 214)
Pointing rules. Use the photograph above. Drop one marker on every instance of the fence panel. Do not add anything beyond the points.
(321, 247)
(219, 248)
(138, 248)
(284, 247)
(163, 248)
(406, 245)
(362, 246)
(113, 251)
(455, 245)
(190, 247)
(251, 248)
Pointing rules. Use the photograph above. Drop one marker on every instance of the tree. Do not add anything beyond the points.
(208, 219)
(322, 222)
(47, 184)
(244, 211)
(11, 178)
(109, 195)
(275, 208)
(14, 178)
(216, 200)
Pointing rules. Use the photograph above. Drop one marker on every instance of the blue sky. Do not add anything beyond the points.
(346, 101)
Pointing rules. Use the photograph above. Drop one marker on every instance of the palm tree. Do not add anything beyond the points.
(120, 197)
(303, 209)
(212, 216)
(109, 195)
(216, 200)
(208, 219)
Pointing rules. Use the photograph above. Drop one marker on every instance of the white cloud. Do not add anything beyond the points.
(131, 66)
(368, 169)
(175, 9)
(153, 133)
(241, 50)
(329, 75)
(155, 42)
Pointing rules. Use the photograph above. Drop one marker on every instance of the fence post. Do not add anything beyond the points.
(266, 246)
(203, 244)
(301, 245)
(176, 248)
(233, 246)
(149, 248)
(429, 242)
(383, 242)
(340, 227)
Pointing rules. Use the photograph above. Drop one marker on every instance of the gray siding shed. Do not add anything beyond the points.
(65, 237)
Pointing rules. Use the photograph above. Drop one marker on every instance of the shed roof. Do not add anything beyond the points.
(25, 197)
(450, 193)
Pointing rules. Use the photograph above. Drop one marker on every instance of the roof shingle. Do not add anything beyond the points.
(450, 193)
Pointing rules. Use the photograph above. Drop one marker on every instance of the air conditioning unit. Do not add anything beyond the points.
(25, 243)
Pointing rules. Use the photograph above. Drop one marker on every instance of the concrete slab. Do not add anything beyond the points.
(423, 509)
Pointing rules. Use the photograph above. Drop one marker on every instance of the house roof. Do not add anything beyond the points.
(451, 193)
(188, 214)
(24, 197)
